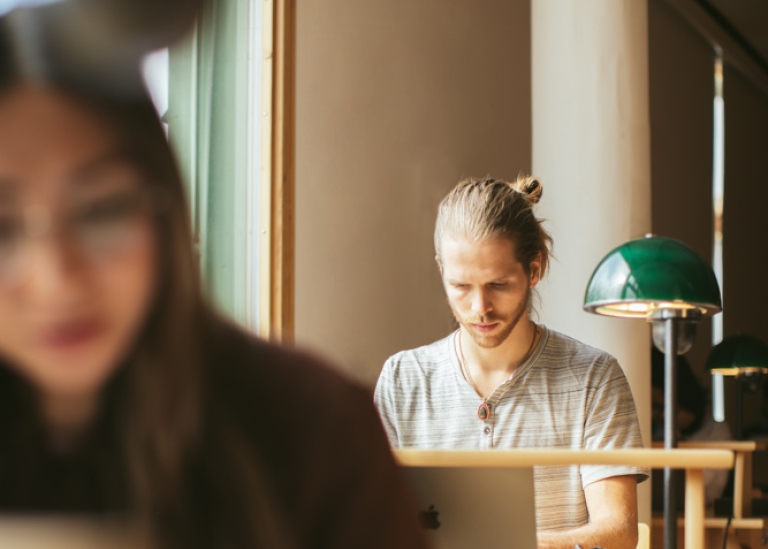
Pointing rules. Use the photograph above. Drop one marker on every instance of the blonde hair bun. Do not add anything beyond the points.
(530, 187)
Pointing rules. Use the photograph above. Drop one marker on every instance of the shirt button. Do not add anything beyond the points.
(487, 430)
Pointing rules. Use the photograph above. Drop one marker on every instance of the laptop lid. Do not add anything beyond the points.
(470, 507)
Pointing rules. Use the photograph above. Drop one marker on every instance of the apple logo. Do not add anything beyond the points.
(428, 519)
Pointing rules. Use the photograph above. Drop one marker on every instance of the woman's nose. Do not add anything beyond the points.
(50, 266)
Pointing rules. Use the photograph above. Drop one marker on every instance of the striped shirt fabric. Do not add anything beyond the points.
(565, 395)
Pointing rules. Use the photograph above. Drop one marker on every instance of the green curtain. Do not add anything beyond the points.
(208, 126)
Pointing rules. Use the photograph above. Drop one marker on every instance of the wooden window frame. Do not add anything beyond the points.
(277, 200)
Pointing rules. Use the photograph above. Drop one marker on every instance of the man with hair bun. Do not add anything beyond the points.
(503, 381)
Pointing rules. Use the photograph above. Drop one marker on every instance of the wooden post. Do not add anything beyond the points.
(694, 509)
(276, 321)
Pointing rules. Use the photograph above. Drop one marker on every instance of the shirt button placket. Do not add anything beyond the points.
(486, 437)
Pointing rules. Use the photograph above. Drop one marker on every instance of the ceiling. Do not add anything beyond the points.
(749, 20)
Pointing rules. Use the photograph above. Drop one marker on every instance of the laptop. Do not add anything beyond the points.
(471, 507)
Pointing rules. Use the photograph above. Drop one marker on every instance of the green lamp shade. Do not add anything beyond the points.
(740, 354)
(649, 274)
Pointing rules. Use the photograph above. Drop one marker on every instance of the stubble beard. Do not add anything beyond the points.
(493, 340)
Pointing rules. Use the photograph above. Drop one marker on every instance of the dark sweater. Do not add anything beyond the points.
(318, 437)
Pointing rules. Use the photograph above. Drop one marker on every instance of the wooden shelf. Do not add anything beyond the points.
(733, 445)
(742, 494)
(675, 459)
(753, 523)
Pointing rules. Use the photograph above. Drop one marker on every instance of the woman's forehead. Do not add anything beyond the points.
(47, 138)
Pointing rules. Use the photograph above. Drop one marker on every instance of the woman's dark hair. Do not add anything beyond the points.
(157, 423)
(691, 394)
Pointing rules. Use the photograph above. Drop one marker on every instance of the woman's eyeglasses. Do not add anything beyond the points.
(96, 228)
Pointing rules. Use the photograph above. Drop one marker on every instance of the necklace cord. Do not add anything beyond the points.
(465, 369)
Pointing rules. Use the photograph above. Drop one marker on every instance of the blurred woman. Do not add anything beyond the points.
(122, 391)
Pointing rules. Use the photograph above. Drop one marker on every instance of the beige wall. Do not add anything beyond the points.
(396, 100)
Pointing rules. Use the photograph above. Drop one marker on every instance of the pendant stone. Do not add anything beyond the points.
(484, 411)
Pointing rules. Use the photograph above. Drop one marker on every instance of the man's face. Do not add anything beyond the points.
(487, 288)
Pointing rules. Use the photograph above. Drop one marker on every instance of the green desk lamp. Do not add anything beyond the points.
(744, 357)
(669, 285)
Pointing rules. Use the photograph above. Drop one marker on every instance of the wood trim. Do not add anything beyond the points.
(264, 263)
(283, 172)
(277, 196)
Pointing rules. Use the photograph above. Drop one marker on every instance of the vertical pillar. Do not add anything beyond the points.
(591, 148)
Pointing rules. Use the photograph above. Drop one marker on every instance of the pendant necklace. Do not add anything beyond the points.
(484, 410)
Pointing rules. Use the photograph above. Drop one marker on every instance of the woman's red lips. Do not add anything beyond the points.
(71, 334)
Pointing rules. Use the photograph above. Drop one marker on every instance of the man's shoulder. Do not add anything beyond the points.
(560, 345)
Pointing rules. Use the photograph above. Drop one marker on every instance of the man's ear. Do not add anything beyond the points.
(439, 264)
(535, 271)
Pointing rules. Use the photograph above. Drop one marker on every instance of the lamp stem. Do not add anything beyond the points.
(670, 431)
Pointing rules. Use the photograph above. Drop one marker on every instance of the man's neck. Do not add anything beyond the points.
(503, 359)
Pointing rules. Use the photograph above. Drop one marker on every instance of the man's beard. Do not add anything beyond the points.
(501, 333)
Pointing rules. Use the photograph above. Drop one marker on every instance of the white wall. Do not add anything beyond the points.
(396, 101)
(591, 146)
